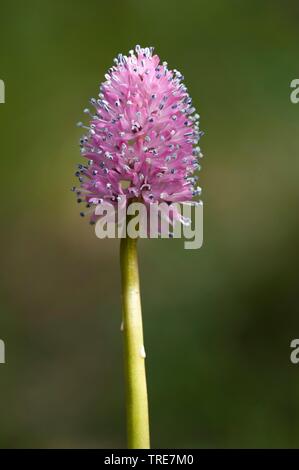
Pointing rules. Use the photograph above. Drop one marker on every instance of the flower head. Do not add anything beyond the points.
(141, 140)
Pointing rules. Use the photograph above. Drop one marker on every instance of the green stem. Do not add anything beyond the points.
(136, 391)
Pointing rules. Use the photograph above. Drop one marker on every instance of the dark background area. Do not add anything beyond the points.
(218, 321)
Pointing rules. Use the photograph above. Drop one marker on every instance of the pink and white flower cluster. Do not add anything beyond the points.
(141, 141)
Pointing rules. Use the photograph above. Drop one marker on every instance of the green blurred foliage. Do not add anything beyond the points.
(219, 320)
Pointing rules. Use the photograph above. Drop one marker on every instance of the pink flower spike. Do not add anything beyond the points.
(140, 141)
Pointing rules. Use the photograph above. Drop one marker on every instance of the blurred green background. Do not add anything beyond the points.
(219, 320)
